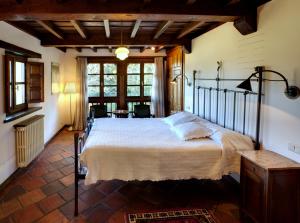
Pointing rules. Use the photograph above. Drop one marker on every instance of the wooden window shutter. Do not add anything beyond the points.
(35, 82)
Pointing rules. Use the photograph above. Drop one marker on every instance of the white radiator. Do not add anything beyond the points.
(29, 139)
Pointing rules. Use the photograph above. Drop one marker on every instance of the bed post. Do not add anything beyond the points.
(259, 99)
(76, 142)
(194, 85)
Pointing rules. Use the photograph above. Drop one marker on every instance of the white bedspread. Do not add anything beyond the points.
(146, 149)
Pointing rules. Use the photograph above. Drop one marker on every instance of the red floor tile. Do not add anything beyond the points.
(31, 197)
(27, 215)
(50, 203)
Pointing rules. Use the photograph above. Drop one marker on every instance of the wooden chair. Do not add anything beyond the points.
(142, 111)
(99, 111)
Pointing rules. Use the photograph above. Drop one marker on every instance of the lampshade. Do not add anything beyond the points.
(122, 53)
(246, 85)
(70, 88)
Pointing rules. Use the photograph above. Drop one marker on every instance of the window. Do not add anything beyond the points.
(15, 79)
(110, 80)
(93, 79)
(119, 84)
(139, 79)
(149, 69)
(134, 79)
(102, 80)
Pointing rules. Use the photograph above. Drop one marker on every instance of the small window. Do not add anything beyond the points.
(93, 79)
(15, 79)
(133, 79)
(110, 80)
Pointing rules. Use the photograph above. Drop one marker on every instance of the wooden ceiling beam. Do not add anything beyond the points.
(162, 28)
(101, 41)
(189, 28)
(51, 28)
(159, 48)
(136, 28)
(62, 49)
(77, 25)
(78, 49)
(190, 2)
(106, 27)
(127, 11)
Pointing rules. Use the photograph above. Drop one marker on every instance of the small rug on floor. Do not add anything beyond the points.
(172, 216)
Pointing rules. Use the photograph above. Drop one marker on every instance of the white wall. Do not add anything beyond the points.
(276, 46)
(53, 107)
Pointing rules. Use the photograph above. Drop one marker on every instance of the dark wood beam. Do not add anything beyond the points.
(189, 28)
(19, 50)
(25, 28)
(106, 27)
(62, 49)
(128, 10)
(101, 41)
(50, 27)
(246, 24)
(159, 48)
(147, 1)
(136, 28)
(190, 2)
(142, 49)
(77, 25)
(162, 28)
(78, 49)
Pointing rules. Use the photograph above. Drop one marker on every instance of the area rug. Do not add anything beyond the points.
(172, 216)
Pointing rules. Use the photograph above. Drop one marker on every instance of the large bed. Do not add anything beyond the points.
(148, 149)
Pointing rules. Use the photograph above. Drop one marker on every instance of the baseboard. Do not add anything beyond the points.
(59, 131)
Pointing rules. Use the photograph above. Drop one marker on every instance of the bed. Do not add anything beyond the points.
(148, 149)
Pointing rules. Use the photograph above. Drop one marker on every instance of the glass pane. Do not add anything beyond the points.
(93, 79)
(110, 91)
(133, 79)
(149, 68)
(133, 68)
(94, 91)
(20, 94)
(93, 68)
(110, 68)
(147, 90)
(10, 72)
(133, 91)
(11, 95)
(148, 79)
(20, 72)
(110, 80)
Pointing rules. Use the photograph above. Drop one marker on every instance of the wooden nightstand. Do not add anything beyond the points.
(270, 187)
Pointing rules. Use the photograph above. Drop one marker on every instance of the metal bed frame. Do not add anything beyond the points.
(80, 138)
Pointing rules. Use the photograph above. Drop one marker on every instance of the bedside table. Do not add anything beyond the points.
(270, 187)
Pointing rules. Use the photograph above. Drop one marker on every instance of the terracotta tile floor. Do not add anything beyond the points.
(44, 192)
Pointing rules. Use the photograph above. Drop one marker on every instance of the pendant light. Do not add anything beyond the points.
(122, 51)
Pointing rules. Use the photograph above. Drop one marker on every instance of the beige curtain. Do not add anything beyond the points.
(81, 106)
(158, 94)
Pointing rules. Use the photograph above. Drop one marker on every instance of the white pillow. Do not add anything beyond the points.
(191, 130)
(180, 117)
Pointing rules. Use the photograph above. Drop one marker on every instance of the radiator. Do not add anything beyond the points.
(29, 139)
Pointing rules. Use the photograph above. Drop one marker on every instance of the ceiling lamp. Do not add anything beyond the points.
(122, 51)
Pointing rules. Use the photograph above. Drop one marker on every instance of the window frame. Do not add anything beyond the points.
(14, 108)
(121, 99)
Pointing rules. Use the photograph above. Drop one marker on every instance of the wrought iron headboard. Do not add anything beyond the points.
(232, 109)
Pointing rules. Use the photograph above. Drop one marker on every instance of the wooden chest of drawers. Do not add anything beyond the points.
(270, 188)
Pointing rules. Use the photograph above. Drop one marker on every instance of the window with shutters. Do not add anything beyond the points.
(24, 83)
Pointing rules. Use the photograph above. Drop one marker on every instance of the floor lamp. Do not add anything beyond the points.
(70, 88)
